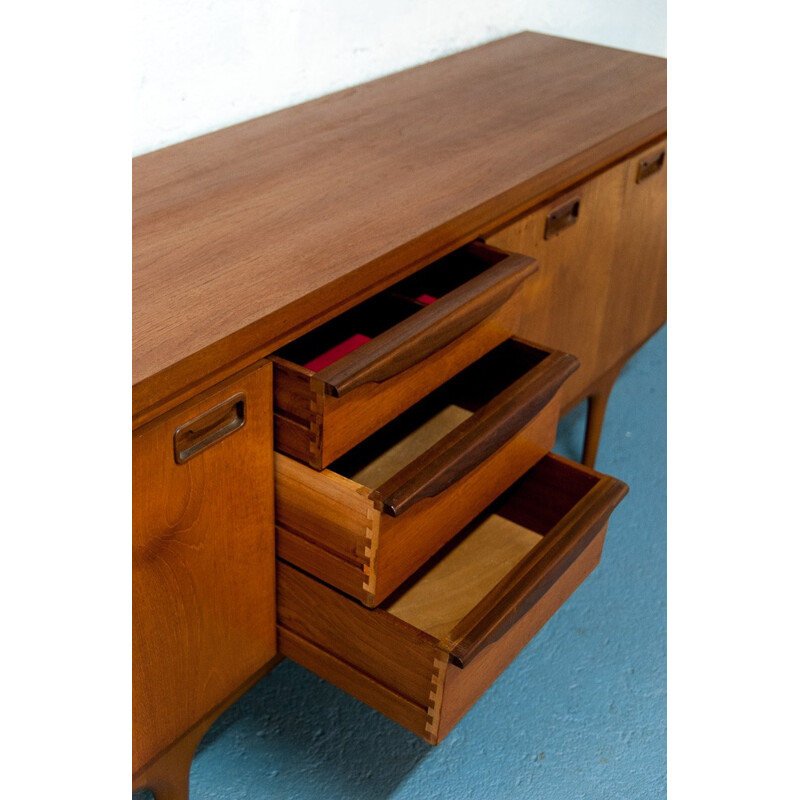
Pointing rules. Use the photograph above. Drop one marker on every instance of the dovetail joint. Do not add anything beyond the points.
(371, 530)
(315, 407)
(435, 697)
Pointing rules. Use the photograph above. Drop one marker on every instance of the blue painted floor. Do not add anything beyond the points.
(581, 713)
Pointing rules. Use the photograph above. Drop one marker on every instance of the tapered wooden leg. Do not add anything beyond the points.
(167, 777)
(598, 400)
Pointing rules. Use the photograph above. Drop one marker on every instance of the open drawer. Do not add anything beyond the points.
(430, 650)
(344, 380)
(377, 514)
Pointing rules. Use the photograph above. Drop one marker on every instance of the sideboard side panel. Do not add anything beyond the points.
(203, 563)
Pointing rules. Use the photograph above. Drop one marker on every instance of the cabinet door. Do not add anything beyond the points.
(637, 298)
(203, 557)
(601, 289)
(573, 237)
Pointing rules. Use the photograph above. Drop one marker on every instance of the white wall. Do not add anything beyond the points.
(205, 64)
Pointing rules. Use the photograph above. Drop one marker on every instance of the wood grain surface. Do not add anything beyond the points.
(464, 686)
(497, 421)
(637, 296)
(433, 327)
(245, 238)
(426, 654)
(460, 578)
(410, 447)
(372, 641)
(512, 390)
(203, 566)
(601, 288)
(580, 502)
(316, 427)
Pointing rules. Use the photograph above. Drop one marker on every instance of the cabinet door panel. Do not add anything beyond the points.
(203, 557)
(637, 299)
(602, 285)
(566, 305)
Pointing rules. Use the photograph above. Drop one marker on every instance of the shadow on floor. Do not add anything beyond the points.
(336, 746)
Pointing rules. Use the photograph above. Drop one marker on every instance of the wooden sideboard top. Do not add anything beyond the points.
(245, 238)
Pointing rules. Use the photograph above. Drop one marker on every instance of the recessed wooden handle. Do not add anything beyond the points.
(649, 165)
(209, 428)
(430, 329)
(513, 597)
(562, 217)
(470, 443)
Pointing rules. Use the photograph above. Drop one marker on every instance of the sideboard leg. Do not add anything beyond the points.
(598, 400)
(167, 777)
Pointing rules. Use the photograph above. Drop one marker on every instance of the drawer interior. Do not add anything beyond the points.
(459, 578)
(438, 597)
(397, 445)
(429, 650)
(377, 513)
(343, 381)
(443, 276)
(346, 333)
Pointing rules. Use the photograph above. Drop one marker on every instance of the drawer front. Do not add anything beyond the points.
(339, 384)
(424, 656)
(368, 522)
(203, 558)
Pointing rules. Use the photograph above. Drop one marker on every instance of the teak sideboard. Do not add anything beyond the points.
(356, 323)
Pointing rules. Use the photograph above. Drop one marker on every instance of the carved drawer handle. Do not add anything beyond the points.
(529, 581)
(477, 437)
(427, 331)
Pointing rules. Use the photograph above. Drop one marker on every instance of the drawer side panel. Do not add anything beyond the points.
(345, 575)
(324, 508)
(356, 683)
(397, 655)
